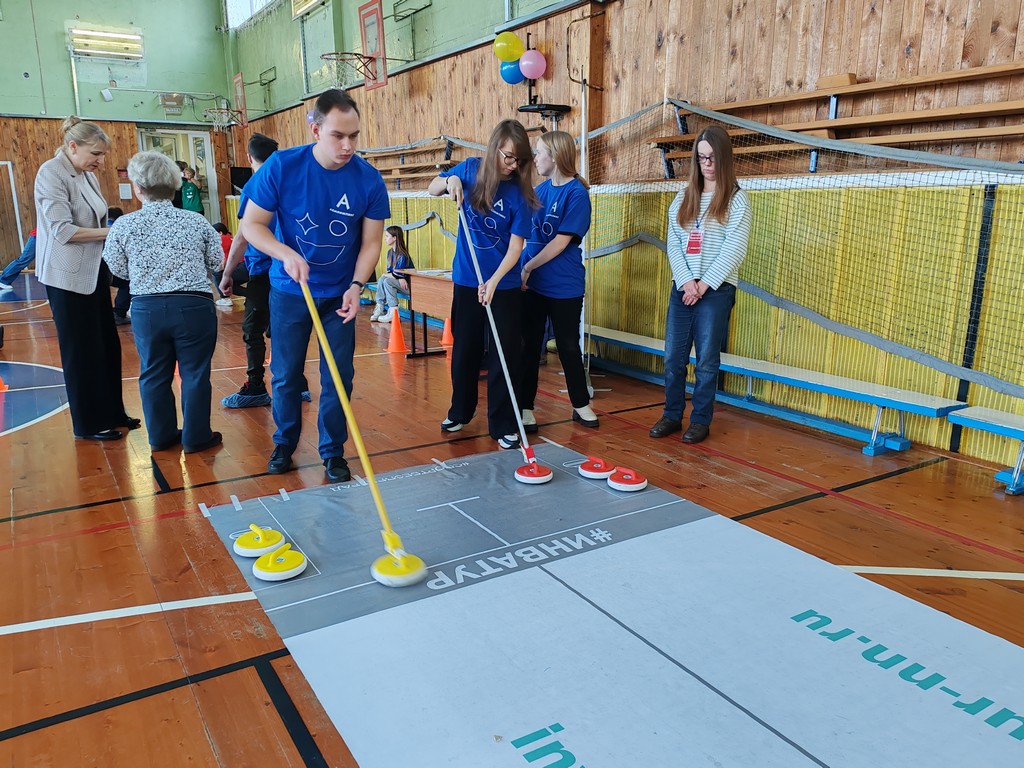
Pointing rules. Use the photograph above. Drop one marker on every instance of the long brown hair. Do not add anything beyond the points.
(399, 246)
(725, 178)
(488, 178)
(563, 151)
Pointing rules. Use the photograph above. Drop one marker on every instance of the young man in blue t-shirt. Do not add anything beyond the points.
(330, 206)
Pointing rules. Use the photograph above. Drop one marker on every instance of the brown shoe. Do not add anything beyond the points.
(695, 433)
(664, 427)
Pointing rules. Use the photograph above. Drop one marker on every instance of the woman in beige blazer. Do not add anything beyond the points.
(70, 215)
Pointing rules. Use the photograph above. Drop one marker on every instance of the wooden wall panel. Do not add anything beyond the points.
(713, 52)
(29, 142)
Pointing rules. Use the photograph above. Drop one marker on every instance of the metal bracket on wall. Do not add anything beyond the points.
(403, 9)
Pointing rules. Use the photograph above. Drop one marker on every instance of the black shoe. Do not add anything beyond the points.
(664, 427)
(107, 434)
(280, 460)
(1, 337)
(695, 433)
(215, 439)
(168, 444)
(122, 320)
(336, 469)
(130, 423)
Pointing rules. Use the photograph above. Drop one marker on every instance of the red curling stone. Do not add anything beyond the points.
(596, 469)
(534, 474)
(623, 479)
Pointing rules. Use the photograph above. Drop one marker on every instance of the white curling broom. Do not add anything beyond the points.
(530, 473)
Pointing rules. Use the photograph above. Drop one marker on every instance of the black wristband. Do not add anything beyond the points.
(356, 282)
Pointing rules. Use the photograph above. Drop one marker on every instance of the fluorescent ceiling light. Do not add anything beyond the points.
(97, 33)
(87, 52)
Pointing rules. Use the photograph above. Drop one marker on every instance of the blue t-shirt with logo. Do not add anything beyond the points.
(491, 232)
(256, 262)
(565, 210)
(319, 214)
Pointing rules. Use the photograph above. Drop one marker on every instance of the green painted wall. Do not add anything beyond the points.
(184, 52)
(272, 39)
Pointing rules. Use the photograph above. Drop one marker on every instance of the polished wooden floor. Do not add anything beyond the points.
(93, 527)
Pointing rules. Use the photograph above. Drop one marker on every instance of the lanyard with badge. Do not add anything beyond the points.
(696, 238)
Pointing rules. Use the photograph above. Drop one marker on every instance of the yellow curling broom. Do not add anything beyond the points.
(397, 568)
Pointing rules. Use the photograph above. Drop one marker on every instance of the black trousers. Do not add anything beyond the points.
(469, 323)
(565, 320)
(254, 325)
(90, 354)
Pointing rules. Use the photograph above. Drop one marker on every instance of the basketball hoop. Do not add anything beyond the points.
(222, 119)
(349, 66)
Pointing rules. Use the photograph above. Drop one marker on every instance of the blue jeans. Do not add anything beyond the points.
(174, 328)
(28, 255)
(292, 325)
(704, 327)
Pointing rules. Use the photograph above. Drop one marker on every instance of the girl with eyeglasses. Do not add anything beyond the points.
(496, 195)
(553, 276)
(708, 230)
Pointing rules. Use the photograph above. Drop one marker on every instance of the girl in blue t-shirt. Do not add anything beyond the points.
(553, 275)
(497, 198)
(392, 282)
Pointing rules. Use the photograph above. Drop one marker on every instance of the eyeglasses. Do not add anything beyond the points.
(509, 159)
(706, 159)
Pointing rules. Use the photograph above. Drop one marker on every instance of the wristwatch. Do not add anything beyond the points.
(356, 282)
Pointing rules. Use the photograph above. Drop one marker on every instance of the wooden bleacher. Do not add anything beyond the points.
(412, 166)
(679, 146)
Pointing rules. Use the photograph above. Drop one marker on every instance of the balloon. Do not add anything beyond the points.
(309, 117)
(508, 47)
(532, 64)
(511, 73)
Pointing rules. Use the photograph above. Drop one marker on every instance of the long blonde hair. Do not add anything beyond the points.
(725, 178)
(562, 147)
(488, 178)
(81, 131)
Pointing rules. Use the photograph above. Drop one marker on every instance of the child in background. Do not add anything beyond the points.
(190, 191)
(239, 275)
(389, 286)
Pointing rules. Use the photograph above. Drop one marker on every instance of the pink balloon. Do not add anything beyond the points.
(532, 64)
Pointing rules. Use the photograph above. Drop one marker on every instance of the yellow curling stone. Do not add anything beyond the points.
(283, 563)
(258, 541)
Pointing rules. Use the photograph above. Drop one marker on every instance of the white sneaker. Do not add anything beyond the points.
(385, 317)
(507, 442)
(529, 421)
(585, 416)
(4, 287)
(376, 313)
(450, 426)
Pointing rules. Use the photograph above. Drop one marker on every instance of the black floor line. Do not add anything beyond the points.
(840, 488)
(158, 476)
(293, 722)
(675, 662)
(128, 698)
(781, 505)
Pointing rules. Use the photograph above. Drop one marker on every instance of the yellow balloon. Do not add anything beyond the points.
(508, 47)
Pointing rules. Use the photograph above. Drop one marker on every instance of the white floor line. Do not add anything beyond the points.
(118, 613)
(941, 572)
(25, 309)
(295, 545)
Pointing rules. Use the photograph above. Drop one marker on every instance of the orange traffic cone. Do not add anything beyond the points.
(396, 343)
(3, 387)
(446, 335)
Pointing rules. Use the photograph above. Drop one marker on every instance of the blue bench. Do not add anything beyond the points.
(998, 423)
(900, 400)
(371, 288)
